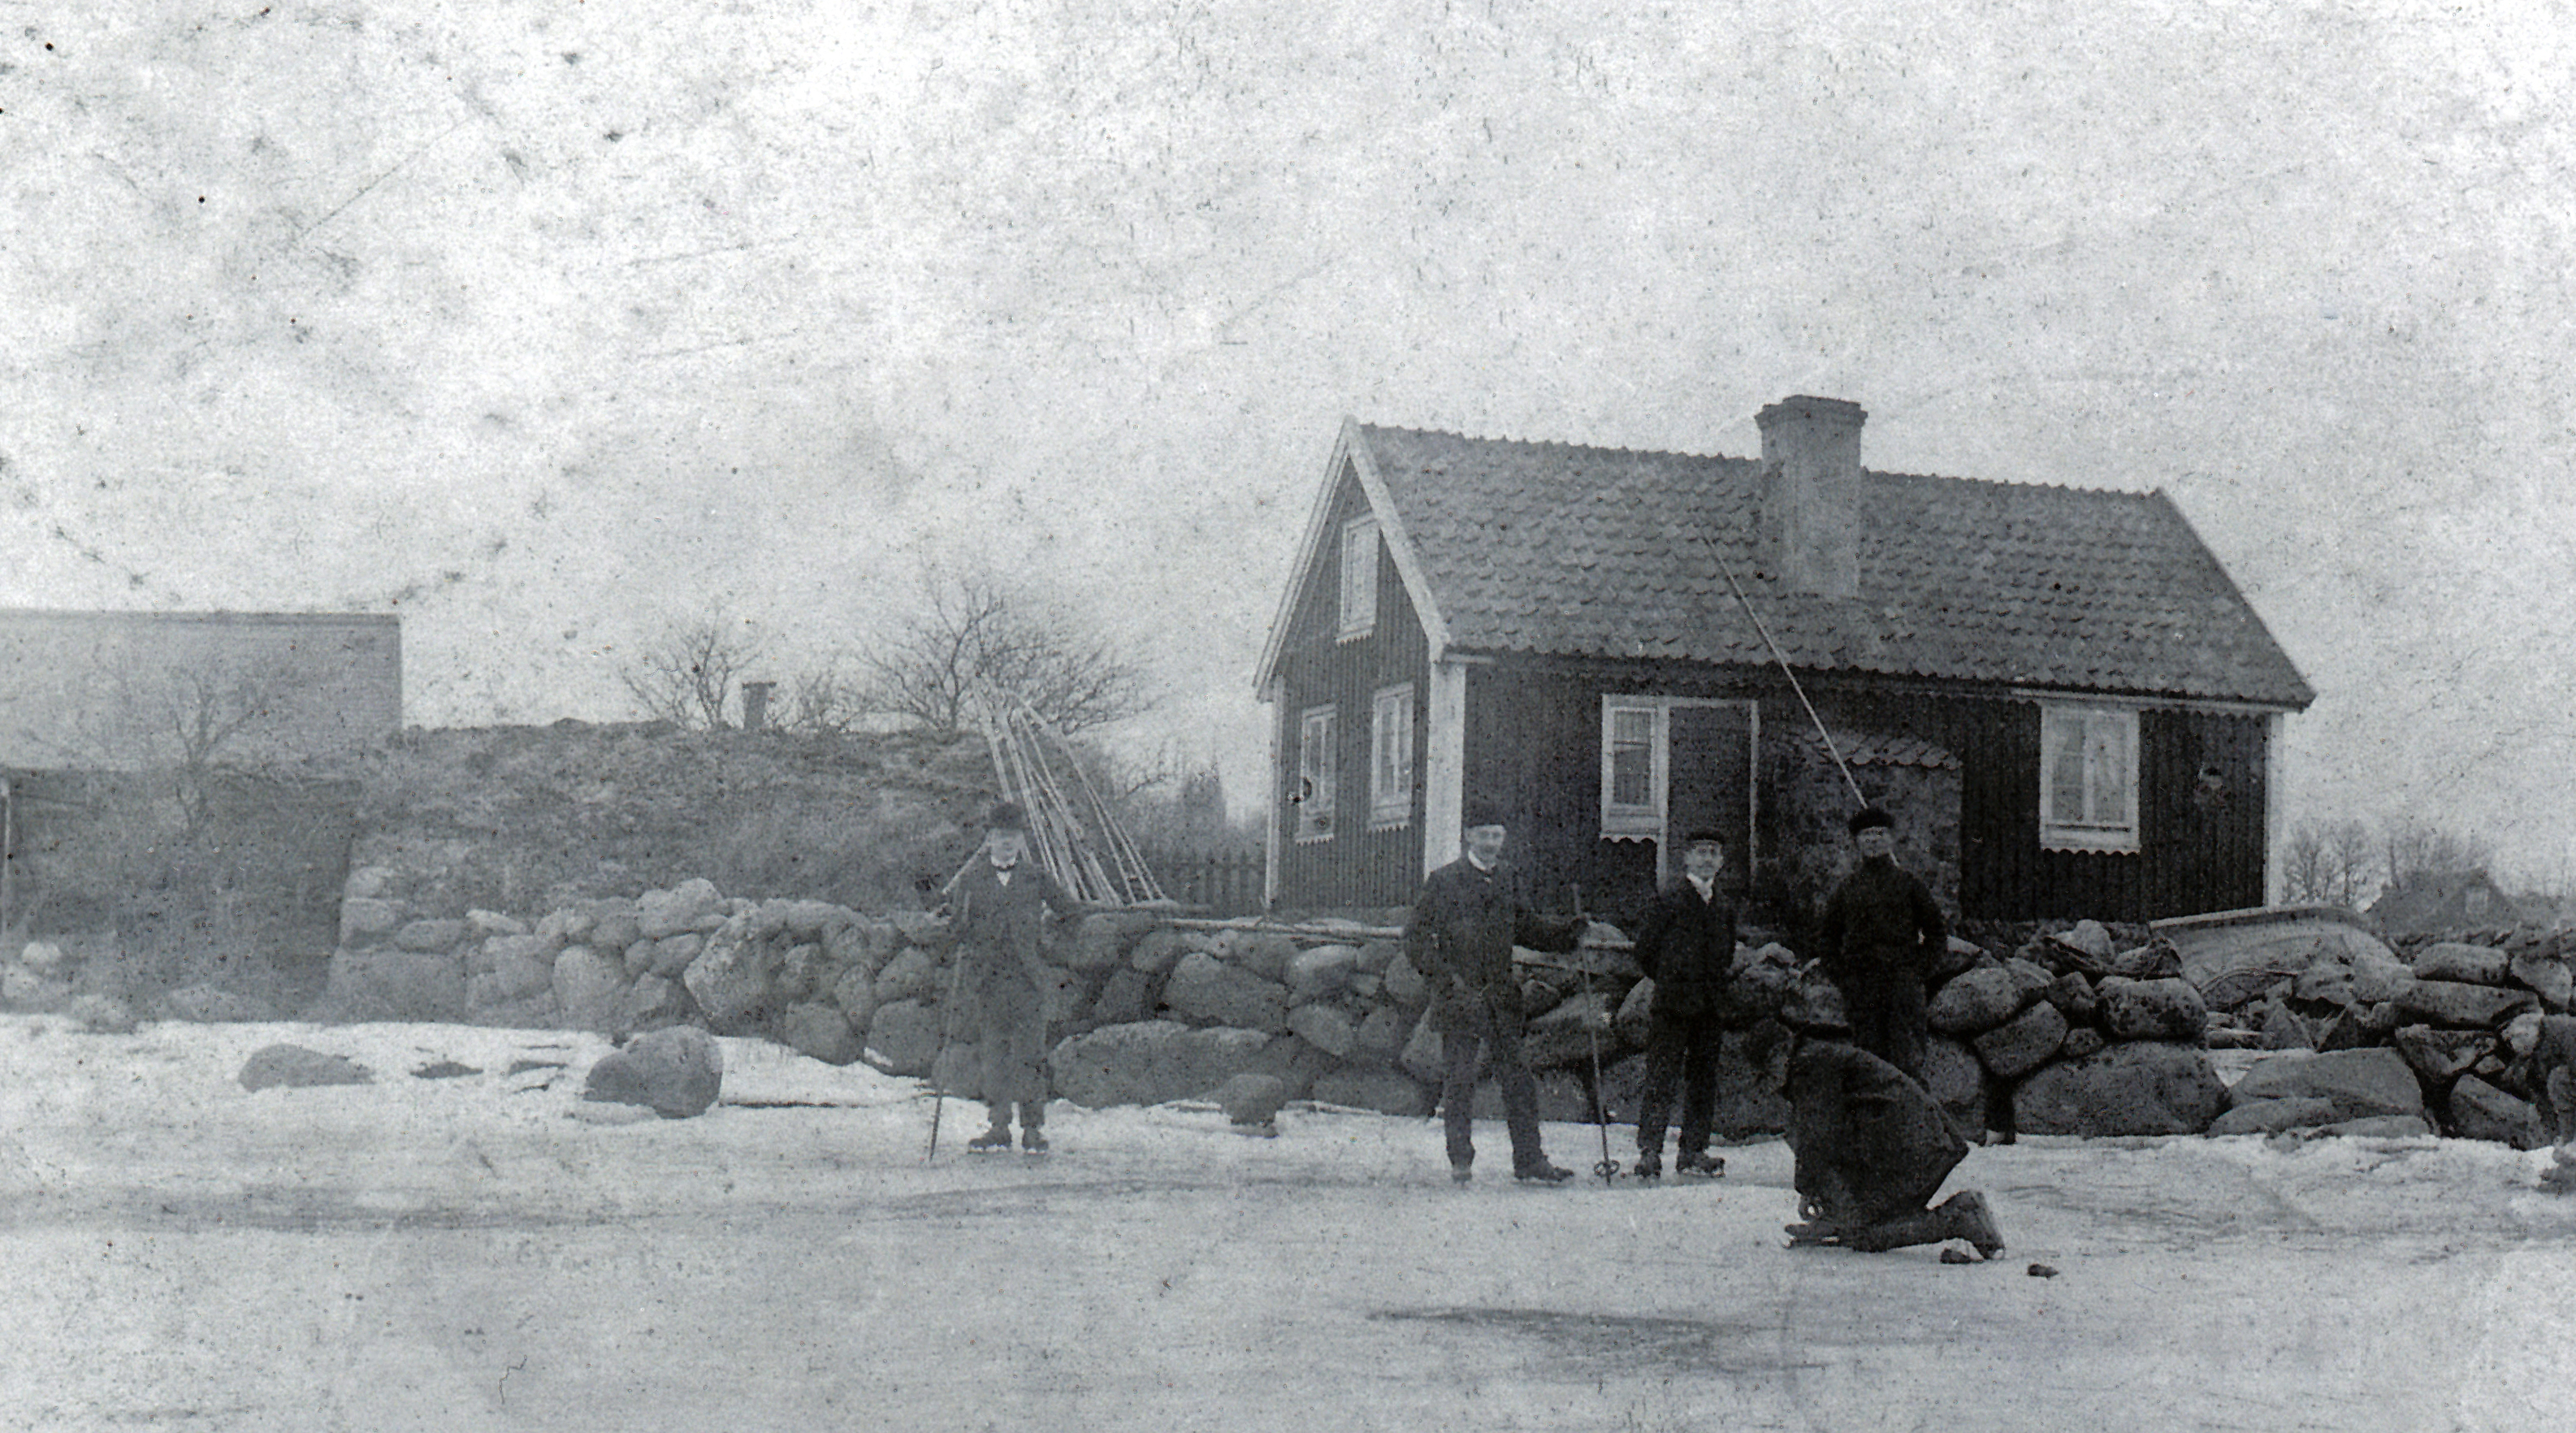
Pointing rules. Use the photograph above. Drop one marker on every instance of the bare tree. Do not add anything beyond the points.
(822, 701)
(973, 632)
(2418, 850)
(688, 676)
(2330, 863)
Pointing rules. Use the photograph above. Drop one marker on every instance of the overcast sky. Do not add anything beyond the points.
(546, 324)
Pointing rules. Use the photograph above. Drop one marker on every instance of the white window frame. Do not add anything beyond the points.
(2106, 739)
(1653, 823)
(1391, 757)
(1317, 774)
(1628, 822)
(1359, 578)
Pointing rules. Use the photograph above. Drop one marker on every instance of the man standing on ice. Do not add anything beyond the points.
(998, 908)
(1880, 932)
(1872, 1149)
(1470, 915)
(1686, 945)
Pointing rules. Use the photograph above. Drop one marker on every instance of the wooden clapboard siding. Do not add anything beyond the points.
(1360, 864)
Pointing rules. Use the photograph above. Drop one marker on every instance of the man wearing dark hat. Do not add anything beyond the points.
(1471, 913)
(997, 906)
(1880, 932)
(1686, 945)
(1872, 1149)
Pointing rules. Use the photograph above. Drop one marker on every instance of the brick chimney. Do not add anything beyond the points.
(1810, 516)
(755, 704)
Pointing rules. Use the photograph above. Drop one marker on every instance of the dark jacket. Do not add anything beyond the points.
(1871, 1144)
(1881, 921)
(1462, 933)
(1002, 928)
(1687, 947)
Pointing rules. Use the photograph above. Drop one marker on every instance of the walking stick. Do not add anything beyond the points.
(947, 1014)
(1608, 1168)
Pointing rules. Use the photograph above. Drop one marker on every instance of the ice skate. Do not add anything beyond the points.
(1542, 1173)
(1650, 1164)
(995, 1140)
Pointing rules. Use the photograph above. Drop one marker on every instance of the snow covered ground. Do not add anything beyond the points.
(464, 1253)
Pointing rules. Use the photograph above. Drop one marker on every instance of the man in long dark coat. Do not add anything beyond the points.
(1872, 1149)
(1686, 945)
(1470, 915)
(1880, 933)
(998, 908)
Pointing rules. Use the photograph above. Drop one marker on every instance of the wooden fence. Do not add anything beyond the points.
(1225, 883)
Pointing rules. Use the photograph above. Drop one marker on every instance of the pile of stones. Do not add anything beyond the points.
(2446, 1025)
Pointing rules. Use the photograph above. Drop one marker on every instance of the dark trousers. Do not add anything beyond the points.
(1680, 1051)
(1010, 1043)
(1886, 1013)
(1468, 1029)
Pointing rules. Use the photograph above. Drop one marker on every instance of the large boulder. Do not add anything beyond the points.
(2481, 1111)
(732, 978)
(1752, 1066)
(2137, 1087)
(523, 964)
(659, 914)
(857, 997)
(2074, 997)
(1323, 972)
(2023, 1043)
(1424, 1054)
(1157, 951)
(1251, 1098)
(1150, 1062)
(1102, 939)
(2274, 1116)
(1295, 1063)
(2458, 1003)
(2088, 938)
(613, 925)
(1125, 997)
(2377, 976)
(1570, 1034)
(1406, 985)
(651, 1003)
(1384, 1091)
(2359, 1083)
(1328, 1028)
(1209, 990)
(1954, 1077)
(925, 930)
(2473, 964)
(2286, 1029)
(911, 975)
(294, 1067)
(1263, 954)
(590, 988)
(1974, 1003)
(2441, 1056)
(677, 1070)
(904, 1035)
(821, 1031)
(2167, 1009)
(2546, 976)
(431, 935)
(671, 956)
(1379, 1037)
(362, 920)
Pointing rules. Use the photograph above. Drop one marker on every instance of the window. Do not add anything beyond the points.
(1391, 757)
(1359, 577)
(1314, 793)
(1632, 789)
(2088, 778)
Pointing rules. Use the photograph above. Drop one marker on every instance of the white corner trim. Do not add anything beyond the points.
(1444, 763)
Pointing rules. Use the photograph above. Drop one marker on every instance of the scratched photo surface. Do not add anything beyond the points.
(549, 330)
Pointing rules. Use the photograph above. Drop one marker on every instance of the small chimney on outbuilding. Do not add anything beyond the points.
(755, 704)
(1810, 515)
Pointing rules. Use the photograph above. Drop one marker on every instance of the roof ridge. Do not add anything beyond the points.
(1554, 443)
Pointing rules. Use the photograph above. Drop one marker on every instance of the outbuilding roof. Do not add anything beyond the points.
(1559, 549)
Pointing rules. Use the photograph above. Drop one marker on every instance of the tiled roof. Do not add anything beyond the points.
(1549, 548)
(1857, 749)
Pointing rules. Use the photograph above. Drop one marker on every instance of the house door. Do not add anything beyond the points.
(1709, 761)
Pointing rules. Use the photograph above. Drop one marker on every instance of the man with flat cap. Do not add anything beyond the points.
(998, 908)
(1470, 915)
(1880, 933)
(1686, 945)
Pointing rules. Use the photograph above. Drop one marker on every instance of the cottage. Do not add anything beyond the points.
(2063, 697)
(2449, 903)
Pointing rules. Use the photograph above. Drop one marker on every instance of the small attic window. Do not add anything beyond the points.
(2088, 777)
(1359, 577)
